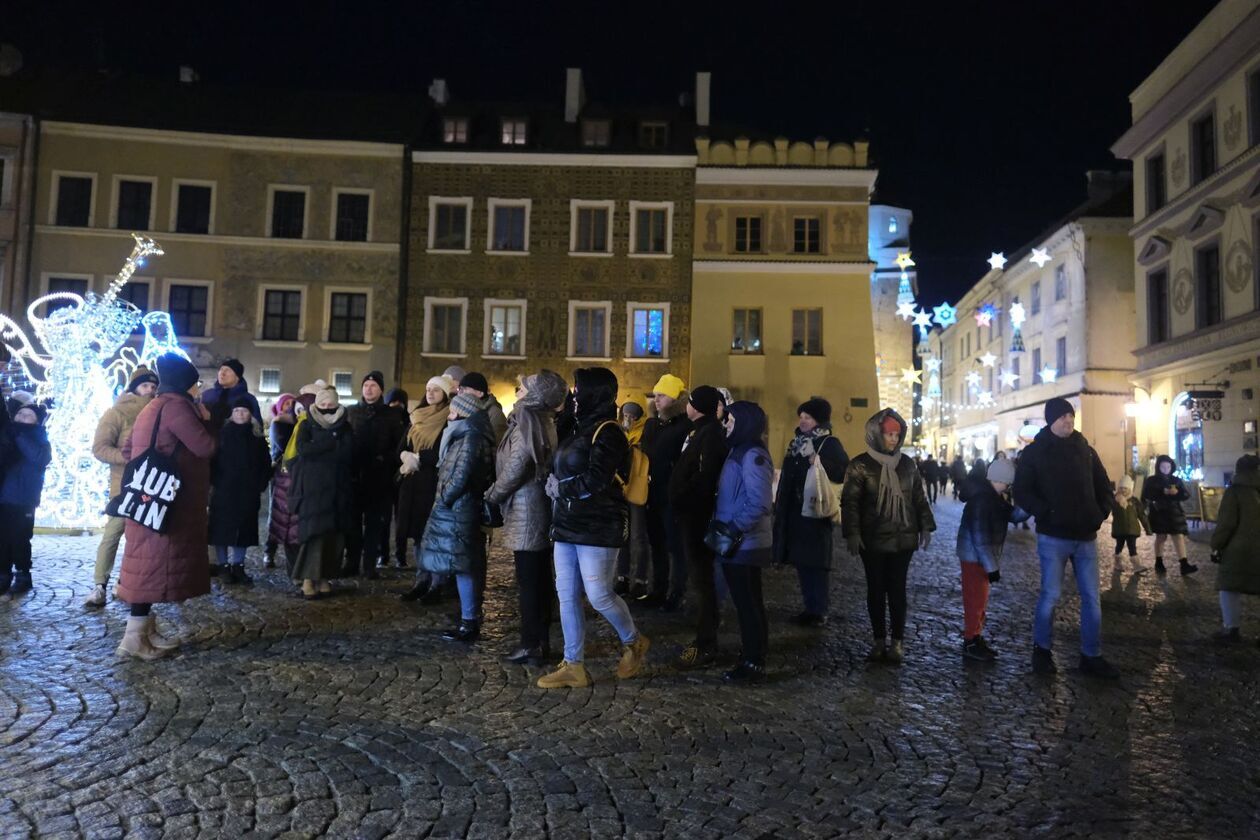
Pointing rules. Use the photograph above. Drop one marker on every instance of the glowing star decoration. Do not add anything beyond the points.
(988, 360)
(932, 364)
(1009, 379)
(1017, 314)
(78, 363)
(997, 261)
(910, 376)
(1039, 257)
(973, 380)
(905, 309)
(1049, 374)
(926, 403)
(984, 398)
(904, 262)
(946, 315)
(923, 320)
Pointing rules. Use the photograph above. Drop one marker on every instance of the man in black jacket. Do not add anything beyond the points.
(1062, 483)
(377, 431)
(662, 442)
(692, 497)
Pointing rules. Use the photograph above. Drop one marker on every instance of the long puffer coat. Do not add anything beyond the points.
(282, 525)
(1164, 509)
(322, 478)
(452, 538)
(238, 475)
(859, 503)
(801, 540)
(1237, 535)
(520, 492)
(161, 568)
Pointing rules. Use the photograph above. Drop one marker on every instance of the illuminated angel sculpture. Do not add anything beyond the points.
(78, 363)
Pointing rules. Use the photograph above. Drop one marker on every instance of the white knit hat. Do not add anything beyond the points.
(1125, 483)
(444, 382)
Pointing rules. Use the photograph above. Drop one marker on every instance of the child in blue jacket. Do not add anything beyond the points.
(26, 454)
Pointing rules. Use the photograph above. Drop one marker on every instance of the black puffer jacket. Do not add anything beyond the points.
(662, 442)
(694, 480)
(377, 431)
(859, 502)
(240, 471)
(1061, 482)
(590, 508)
(321, 478)
(1163, 508)
(452, 537)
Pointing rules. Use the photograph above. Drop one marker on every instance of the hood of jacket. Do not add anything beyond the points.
(1164, 459)
(750, 425)
(874, 438)
(1250, 478)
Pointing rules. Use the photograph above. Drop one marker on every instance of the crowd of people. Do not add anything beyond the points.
(615, 504)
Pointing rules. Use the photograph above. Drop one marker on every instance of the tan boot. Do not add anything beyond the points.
(568, 675)
(633, 657)
(308, 590)
(135, 643)
(156, 639)
(324, 587)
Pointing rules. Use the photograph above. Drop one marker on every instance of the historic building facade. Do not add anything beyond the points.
(1195, 147)
(17, 179)
(281, 252)
(781, 303)
(889, 235)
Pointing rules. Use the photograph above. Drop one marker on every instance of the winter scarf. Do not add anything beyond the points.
(327, 421)
(427, 423)
(806, 444)
(544, 392)
(891, 502)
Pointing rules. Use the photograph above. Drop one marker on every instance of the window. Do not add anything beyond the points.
(347, 318)
(746, 331)
(653, 135)
(288, 213)
(455, 130)
(444, 325)
(651, 228)
(269, 380)
(1156, 189)
(1036, 297)
(892, 224)
(1060, 356)
(1015, 370)
(136, 292)
(135, 205)
(1060, 283)
(805, 235)
(509, 226)
(1202, 147)
(74, 200)
(592, 223)
(1157, 326)
(647, 331)
(449, 221)
(189, 309)
(596, 133)
(343, 381)
(282, 315)
(747, 234)
(513, 132)
(72, 285)
(1208, 286)
(1036, 368)
(353, 211)
(806, 332)
(505, 328)
(193, 208)
(588, 330)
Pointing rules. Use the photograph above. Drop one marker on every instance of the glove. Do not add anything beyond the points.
(410, 462)
(925, 539)
(552, 487)
(855, 544)
(995, 576)
(1215, 557)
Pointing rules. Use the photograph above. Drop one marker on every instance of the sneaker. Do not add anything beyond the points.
(568, 675)
(745, 673)
(21, 583)
(633, 657)
(467, 631)
(1042, 661)
(696, 656)
(1228, 636)
(1096, 666)
(1160, 568)
(97, 599)
(978, 650)
(878, 651)
(1187, 568)
(895, 654)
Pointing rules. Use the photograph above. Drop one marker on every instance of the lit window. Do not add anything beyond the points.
(513, 132)
(455, 130)
(596, 133)
(505, 328)
(806, 332)
(269, 380)
(343, 381)
(647, 332)
(892, 224)
(746, 331)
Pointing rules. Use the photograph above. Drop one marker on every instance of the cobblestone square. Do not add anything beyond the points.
(351, 717)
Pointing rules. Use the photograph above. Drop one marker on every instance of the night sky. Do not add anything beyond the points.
(982, 116)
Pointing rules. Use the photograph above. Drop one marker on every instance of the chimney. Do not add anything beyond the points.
(574, 94)
(702, 99)
(187, 75)
(439, 93)
(1101, 184)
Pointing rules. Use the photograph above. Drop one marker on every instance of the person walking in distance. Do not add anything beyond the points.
(1060, 480)
(1163, 494)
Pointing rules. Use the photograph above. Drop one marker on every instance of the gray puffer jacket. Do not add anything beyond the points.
(452, 537)
(519, 490)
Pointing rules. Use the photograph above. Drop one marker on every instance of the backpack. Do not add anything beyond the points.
(634, 487)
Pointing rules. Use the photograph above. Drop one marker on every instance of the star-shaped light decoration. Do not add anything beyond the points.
(988, 360)
(903, 261)
(1040, 257)
(1009, 379)
(983, 317)
(1017, 314)
(923, 320)
(905, 310)
(910, 376)
(926, 403)
(997, 261)
(932, 364)
(984, 398)
(973, 380)
(1049, 374)
(946, 315)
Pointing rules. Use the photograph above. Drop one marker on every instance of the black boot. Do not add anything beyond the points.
(1160, 568)
(238, 575)
(468, 630)
(525, 656)
(745, 673)
(21, 582)
(1187, 568)
(416, 592)
(1042, 661)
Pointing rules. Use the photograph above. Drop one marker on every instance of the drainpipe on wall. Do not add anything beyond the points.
(404, 264)
(32, 172)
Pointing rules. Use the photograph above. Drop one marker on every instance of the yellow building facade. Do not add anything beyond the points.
(781, 300)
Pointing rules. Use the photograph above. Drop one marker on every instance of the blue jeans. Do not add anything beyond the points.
(1054, 554)
(588, 568)
(238, 554)
(467, 585)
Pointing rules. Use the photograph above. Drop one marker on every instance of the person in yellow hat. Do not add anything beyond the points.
(663, 438)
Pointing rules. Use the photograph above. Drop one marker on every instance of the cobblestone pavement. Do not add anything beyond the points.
(352, 717)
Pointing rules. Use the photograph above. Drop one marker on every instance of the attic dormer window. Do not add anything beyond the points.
(455, 130)
(596, 133)
(513, 131)
(653, 135)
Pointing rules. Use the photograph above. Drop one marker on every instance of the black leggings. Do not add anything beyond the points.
(744, 583)
(140, 610)
(1131, 542)
(886, 583)
(536, 588)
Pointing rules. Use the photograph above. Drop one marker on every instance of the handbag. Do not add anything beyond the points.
(722, 538)
(150, 485)
(821, 498)
(491, 514)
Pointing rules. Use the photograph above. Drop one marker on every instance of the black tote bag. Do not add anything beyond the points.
(150, 483)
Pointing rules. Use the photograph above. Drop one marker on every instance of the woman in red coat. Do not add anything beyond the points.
(170, 567)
